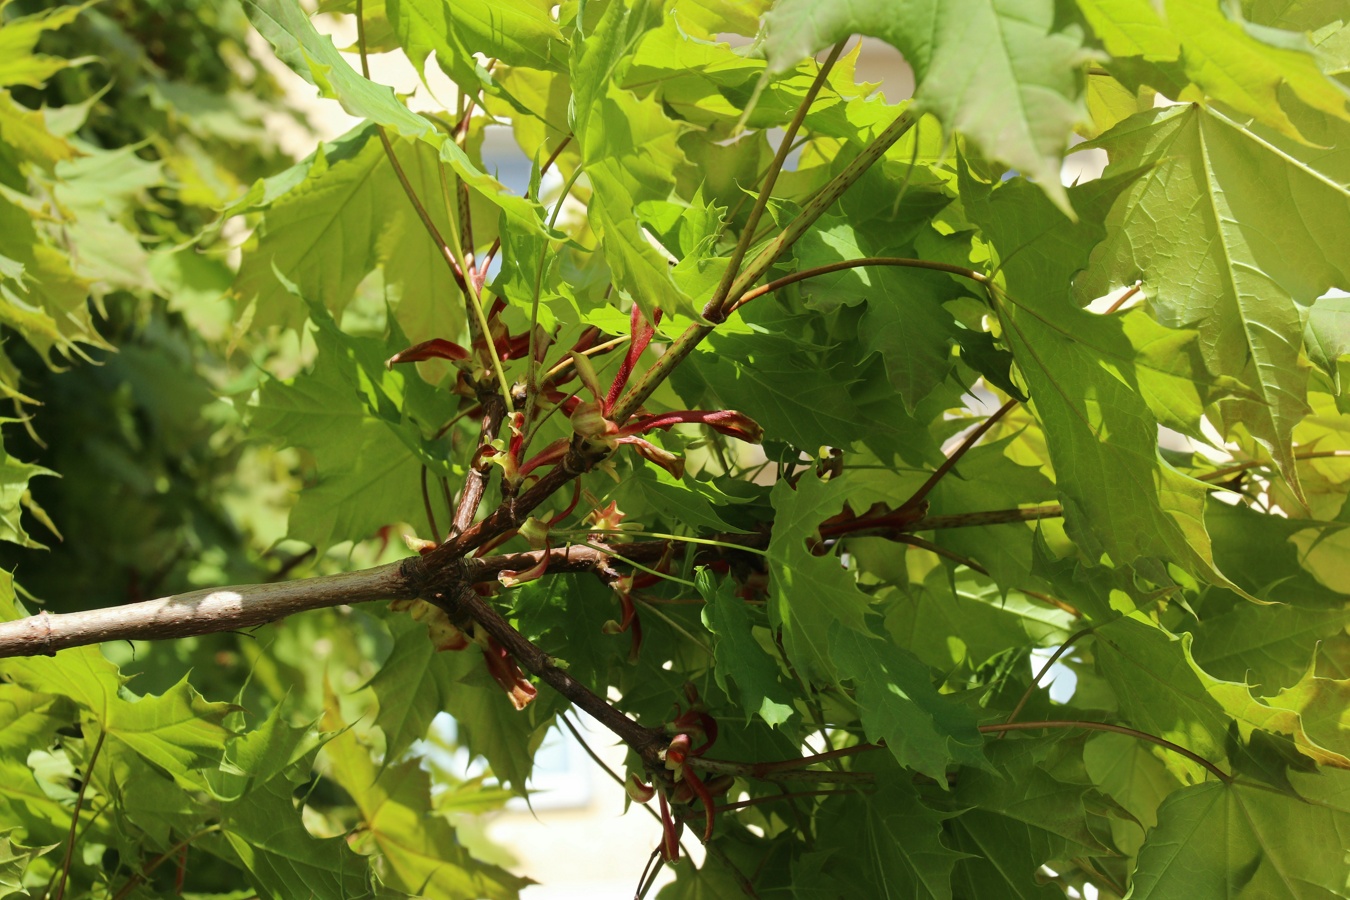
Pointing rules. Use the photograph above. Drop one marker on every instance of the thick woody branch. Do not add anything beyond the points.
(199, 612)
(494, 408)
(243, 606)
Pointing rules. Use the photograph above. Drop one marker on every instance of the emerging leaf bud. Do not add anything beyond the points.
(510, 578)
(676, 753)
(588, 420)
(586, 372)
(423, 547)
(534, 531)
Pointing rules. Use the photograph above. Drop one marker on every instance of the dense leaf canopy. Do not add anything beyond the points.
(795, 429)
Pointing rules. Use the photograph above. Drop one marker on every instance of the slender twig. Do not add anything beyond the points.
(758, 771)
(649, 873)
(822, 201)
(742, 881)
(955, 456)
(788, 765)
(595, 757)
(1221, 474)
(759, 801)
(1115, 729)
(447, 496)
(900, 261)
(744, 196)
(548, 164)
(1035, 682)
(421, 210)
(461, 602)
(473, 296)
(461, 138)
(714, 309)
(138, 877)
(989, 517)
(75, 816)
(426, 505)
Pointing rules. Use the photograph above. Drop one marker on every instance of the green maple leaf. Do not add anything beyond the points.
(739, 656)
(1255, 250)
(264, 829)
(1120, 498)
(899, 704)
(420, 848)
(1002, 74)
(809, 594)
(887, 841)
(333, 216)
(1229, 60)
(514, 32)
(1235, 840)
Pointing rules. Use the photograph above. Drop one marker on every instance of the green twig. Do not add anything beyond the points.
(714, 307)
(1114, 729)
(75, 816)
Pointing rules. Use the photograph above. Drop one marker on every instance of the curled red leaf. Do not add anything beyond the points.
(436, 348)
(503, 669)
(705, 797)
(652, 453)
(639, 790)
(726, 421)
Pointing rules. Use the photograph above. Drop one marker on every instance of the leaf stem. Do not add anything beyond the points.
(869, 261)
(75, 816)
(455, 271)
(609, 550)
(426, 506)
(592, 351)
(1035, 682)
(759, 801)
(1114, 729)
(686, 342)
(714, 307)
(707, 542)
(1220, 474)
(955, 456)
(138, 877)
